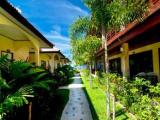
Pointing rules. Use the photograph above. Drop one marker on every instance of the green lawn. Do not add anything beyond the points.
(97, 99)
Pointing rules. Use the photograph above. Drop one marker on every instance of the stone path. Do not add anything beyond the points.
(77, 107)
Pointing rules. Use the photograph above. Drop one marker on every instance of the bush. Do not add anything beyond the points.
(21, 83)
(138, 96)
(63, 75)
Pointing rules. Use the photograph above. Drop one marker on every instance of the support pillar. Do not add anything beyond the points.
(37, 57)
(155, 54)
(55, 64)
(52, 63)
(125, 61)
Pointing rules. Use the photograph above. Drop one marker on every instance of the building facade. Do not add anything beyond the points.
(53, 58)
(135, 49)
(18, 38)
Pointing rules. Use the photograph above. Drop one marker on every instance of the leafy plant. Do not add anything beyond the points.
(63, 75)
(155, 90)
(19, 82)
(146, 108)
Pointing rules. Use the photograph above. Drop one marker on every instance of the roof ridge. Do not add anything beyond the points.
(9, 8)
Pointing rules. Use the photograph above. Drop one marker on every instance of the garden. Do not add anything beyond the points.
(134, 99)
(31, 92)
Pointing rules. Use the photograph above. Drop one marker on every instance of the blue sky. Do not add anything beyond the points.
(52, 18)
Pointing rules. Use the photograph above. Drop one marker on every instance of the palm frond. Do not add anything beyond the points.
(43, 84)
(17, 99)
(40, 76)
(3, 84)
(18, 69)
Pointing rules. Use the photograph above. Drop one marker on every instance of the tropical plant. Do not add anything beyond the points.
(64, 75)
(155, 90)
(20, 81)
(146, 108)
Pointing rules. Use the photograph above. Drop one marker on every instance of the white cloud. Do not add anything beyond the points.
(60, 41)
(63, 46)
(57, 12)
(19, 10)
(56, 30)
(75, 8)
(57, 36)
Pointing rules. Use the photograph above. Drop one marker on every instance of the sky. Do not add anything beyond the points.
(52, 18)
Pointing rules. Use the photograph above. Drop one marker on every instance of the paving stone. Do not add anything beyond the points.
(77, 107)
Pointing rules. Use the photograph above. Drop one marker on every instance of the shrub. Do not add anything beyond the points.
(146, 108)
(63, 75)
(155, 90)
(139, 96)
(21, 83)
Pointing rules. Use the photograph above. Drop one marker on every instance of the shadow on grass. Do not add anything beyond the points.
(93, 112)
(121, 114)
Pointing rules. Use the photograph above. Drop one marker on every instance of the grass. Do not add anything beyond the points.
(93, 112)
(97, 99)
(62, 98)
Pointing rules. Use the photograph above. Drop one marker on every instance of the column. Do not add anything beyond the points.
(155, 54)
(52, 64)
(55, 64)
(125, 61)
(37, 57)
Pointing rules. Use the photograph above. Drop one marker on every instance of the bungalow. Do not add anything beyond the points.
(18, 38)
(52, 58)
(135, 49)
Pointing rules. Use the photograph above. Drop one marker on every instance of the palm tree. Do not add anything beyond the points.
(112, 14)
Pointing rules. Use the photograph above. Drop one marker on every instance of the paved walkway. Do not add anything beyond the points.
(77, 107)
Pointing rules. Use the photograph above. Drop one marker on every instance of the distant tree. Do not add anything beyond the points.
(113, 14)
(84, 51)
(108, 15)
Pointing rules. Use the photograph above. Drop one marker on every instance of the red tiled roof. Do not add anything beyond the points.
(135, 23)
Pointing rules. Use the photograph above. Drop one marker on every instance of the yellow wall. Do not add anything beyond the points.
(22, 50)
(3, 18)
(154, 47)
(7, 19)
(31, 57)
(45, 57)
(13, 29)
(5, 44)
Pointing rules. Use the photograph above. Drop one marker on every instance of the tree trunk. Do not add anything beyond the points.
(113, 107)
(104, 40)
(30, 111)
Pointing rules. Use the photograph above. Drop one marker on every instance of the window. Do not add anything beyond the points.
(141, 62)
(43, 64)
(115, 66)
(8, 53)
